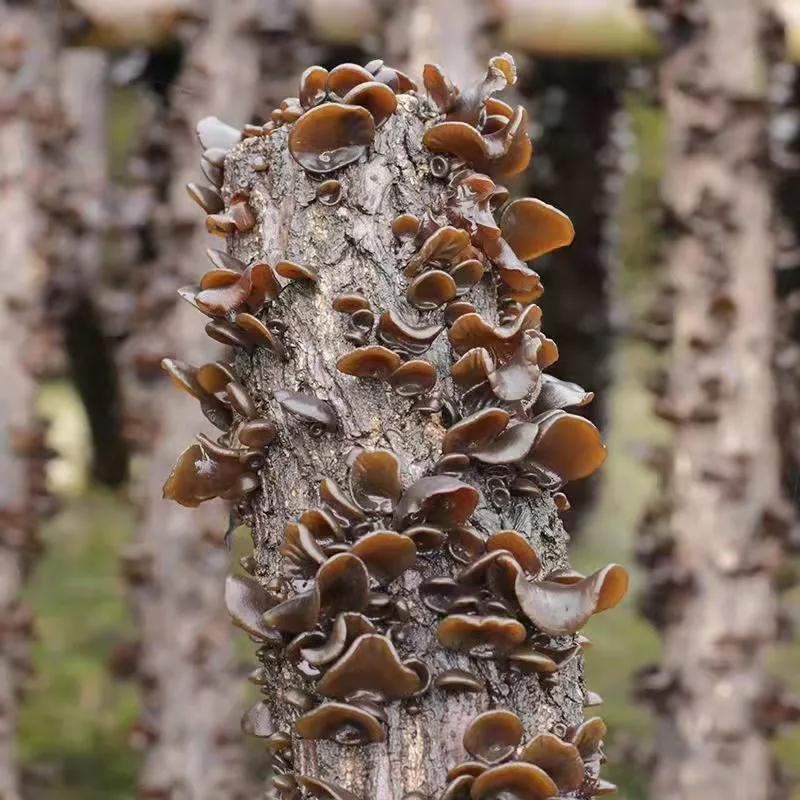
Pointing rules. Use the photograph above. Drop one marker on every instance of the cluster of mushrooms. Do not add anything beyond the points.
(329, 614)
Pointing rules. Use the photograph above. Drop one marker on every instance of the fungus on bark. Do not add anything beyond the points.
(407, 574)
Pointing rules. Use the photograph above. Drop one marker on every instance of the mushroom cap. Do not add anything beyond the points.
(532, 228)
(372, 361)
(510, 447)
(466, 274)
(297, 614)
(340, 722)
(473, 368)
(458, 680)
(464, 632)
(343, 583)
(569, 446)
(375, 481)
(413, 378)
(246, 601)
(370, 664)
(559, 759)
(439, 87)
(331, 136)
(259, 333)
(207, 197)
(313, 86)
(376, 97)
(386, 554)
(473, 331)
(431, 290)
(465, 544)
(441, 247)
(426, 538)
(560, 609)
(532, 660)
(345, 77)
(396, 332)
(438, 499)
(519, 547)
(475, 431)
(197, 476)
(405, 226)
(340, 504)
(350, 302)
(518, 780)
(557, 394)
(257, 433)
(589, 737)
(295, 271)
(308, 407)
(493, 735)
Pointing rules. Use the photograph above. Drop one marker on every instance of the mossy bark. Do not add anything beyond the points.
(351, 246)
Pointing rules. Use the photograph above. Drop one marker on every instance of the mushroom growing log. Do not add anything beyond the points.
(409, 590)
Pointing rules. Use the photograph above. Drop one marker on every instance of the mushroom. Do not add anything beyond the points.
(467, 633)
(253, 287)
(560, 760)
(372, 361)
(533, 228)
(458, 680)
(473, 768)
(296, 272)
(213, 133)
(386, 554)
(300, 546)
(240, 400)
(350, 303)
(297, 614)
(451, 464)
(207, 197)
(198, 476)
(398, 81)
(529, 658)
(257, 433)
(589, 737)
(331, 136)
(246, 601)
(343, 583)
(376, 97)
(308, 407)
(473, 331)
(345, 77)
(313, 86)
(259, 334)
(457, 309)
(375, 481)
(439, 87)
(405, 226)
(340, 722)
(519, 547)
(475, 431)
(568, 445)
(442, 246)
(518, 780)
(438, 499)
(426, 538)
(520, 376)
(493, 735)
(340, 504)
(466, 274)
(431, 290)
(510, 447)
(559, 609)
(558, 394)
(413, 378)
(396, 332)
(465, 544)
(370, 664)
(329, 192)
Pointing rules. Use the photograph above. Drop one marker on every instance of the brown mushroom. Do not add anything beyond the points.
(342, 506)
(569, 446)
(246, 601)
(398, 81)
(386, 554)
(405, 226)
(465, 544)
(439, 87)
(559, 609)
(372, 361)
(207, 197)
(530, 659)
(413, 378)
(350, 303)
(396, 332)
(375, 481)
(559, 759)
(473, 368)
(331, 136)
(493, 735)
(259, 333)
(297, 614)
(376, 97)
(313, 86)
(519, 547)
(475, 431)
(329, 192)
(533, 228)
(589, 737)
(296, 272)
(473, 331)
(197, 476)
(441, 247)
(257, 433)
(343, 583)
(370, 664)
(457, 309)
(558, 394)
(437, 499)
(467, 633)
(426, 538)
(431, 290)
(458, 680)
(466, 274)
(308, 407)
(518, 780)
(451, 464)
(511, 446)
(340, 722)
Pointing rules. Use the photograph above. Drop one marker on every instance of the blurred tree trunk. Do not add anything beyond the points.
(576, 106)
(187, 663)
(716, 543)
(28, 116)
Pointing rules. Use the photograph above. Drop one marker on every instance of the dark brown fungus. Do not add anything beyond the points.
(342, 506)
(465, 544)
(386, 554)
(439, 166)
(493, 736)
(220, 225)
(313, 86)
(257, 721)
(208, 198)
(589, 737)
(197, 477)
(466, 275)
(559, 759)
(370, 664)
(394, 78)
(397, 333)
(569, 446)
(518, 780)
(376, 97)
(375, 481)
(451, 464)
(257, 433)
(511, 446)
(467, 633)
(213, 133)
(475, 431)
(438, 593)
(520, 376)
(247, 601)
(256, 285)
(405, 226)
(329, 192)
(340, 723)
(426, 539)
(457, 309)
(458, 788)
(240, 400)
(331, 648)
(559, 609)
(413, 378)
(343, 583)
(441, 247)
(473, 768)
(330, 136)
(322, 790)
(458, 680)
(297, 614)
(258, 333)
(431, 290)
(346, 77)
(530, 659)
(519, 547)
(475, 573)
(438, 499)
(533, 228)
(307, 407)
(350, 303)
(555, 393)
(372, 361)
(473, 368)
(473, 331)
(300, 546)
(296, 272)
(439, 87)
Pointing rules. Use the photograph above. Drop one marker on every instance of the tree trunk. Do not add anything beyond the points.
(333, 428)
(28, 114)
(187, 661)
(716, 549)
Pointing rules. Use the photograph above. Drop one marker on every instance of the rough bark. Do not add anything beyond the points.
(715, 548)
(577, 107)
(187, 663)
(28, 113)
